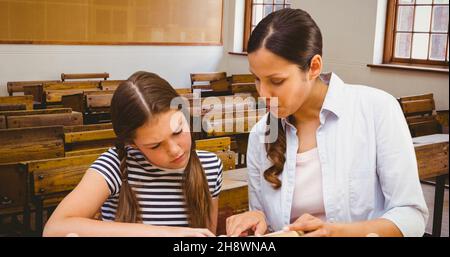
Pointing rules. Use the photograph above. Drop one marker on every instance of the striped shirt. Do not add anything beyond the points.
(158, 191)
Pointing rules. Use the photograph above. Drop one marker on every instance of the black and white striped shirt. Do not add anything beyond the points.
(158, 191)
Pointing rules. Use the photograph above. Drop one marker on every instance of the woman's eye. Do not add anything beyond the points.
(178, 132)
(277, 82)
(154, 147)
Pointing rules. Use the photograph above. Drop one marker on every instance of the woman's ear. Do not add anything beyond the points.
(316, 66)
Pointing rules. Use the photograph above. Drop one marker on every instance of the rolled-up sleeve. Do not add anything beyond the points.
(397, 170)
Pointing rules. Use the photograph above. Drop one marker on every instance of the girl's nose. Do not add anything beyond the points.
(174, 150)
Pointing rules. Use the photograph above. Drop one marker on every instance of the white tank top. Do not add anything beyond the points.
(308, 194)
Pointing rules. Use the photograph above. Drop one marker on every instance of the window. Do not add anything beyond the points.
(256, 10)
(417, 33)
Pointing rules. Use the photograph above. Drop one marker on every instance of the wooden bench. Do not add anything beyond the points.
(53, 179)
(442, 118)
(31, 143)
(35, 90)
(183, 91)
(36, 112)
(110, 85)
(243, 83)
(2, 121)
(88, 137)
(213, 144)
(229, 102)
(65, 76)
(420, 114)
(432, 160)
(89, 101)
(54, 91)
(98, 101)
(242, 78)
(202, 80)
(244, 88)
(54, 97)
(44, 117)
(235, 124)
(12, 107)
(14, 195)
(17, 101)
(221, 85)
(221, 146)
(23, 145)
(94, 105)
(230, 126)
(18, 86)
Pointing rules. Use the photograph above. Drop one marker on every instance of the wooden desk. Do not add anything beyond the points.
(432, 161)
(233, 198)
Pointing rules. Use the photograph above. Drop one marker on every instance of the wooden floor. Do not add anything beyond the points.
(428, 191)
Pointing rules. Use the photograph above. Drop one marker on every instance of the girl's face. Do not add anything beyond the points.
(281, 79)
(165, 140)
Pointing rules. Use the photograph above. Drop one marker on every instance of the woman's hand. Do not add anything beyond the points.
(311, 226)
(238, 225)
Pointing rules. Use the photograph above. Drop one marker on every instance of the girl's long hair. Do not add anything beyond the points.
(143, 96)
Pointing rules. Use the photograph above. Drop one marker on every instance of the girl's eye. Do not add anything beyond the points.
(154, 147)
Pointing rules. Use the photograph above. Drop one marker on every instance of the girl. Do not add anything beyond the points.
(343, 163)
(154, 182)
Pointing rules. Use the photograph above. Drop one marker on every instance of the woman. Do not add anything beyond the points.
(154, 182)
(343, 162)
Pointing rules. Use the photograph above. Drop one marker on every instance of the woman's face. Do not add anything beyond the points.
(165, 140)
(278, 78)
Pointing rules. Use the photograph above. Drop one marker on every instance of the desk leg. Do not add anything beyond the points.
(39, 216)
(439, 191)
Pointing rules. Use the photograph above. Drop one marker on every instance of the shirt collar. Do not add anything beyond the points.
(333, 99)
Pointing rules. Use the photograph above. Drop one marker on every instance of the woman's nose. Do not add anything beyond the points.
(264, 91)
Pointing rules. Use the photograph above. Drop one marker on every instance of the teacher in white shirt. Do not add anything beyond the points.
(342, 163)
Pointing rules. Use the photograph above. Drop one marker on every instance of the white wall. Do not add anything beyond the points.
(349, 40)
(234, 64)
(44, 62)
(349, 29)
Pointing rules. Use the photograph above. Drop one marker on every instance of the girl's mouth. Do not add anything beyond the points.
(179, 159)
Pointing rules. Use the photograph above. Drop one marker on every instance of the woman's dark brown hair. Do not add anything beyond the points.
(143, 96)
(293, 35)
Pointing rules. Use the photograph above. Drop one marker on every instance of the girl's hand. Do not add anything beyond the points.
(238, 225)
(311, 226)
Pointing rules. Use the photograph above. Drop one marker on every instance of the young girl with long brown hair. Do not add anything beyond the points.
(153, 182)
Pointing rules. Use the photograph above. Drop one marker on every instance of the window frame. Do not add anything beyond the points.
(390, 39)
(248, 18)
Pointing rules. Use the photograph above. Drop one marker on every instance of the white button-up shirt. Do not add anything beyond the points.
(369, 167)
